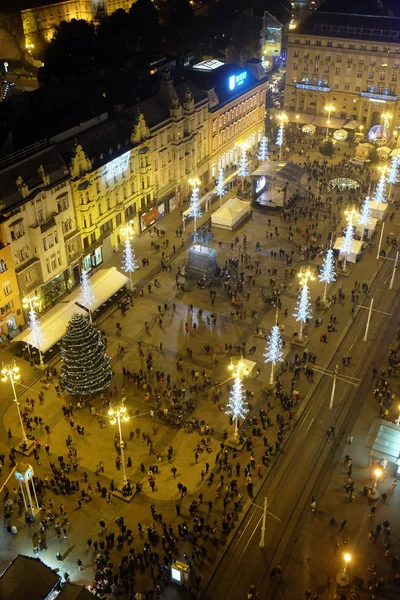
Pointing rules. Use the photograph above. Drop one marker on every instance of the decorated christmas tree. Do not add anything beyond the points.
(86, 368)
(237, 406)
(303, 308)
(393, 176)
(380, 190)
(273, 352)
(327, 274)
(365, 218)
(263, 150)
(128, 259)
(220, 187)
(279, 137)
(243, 163)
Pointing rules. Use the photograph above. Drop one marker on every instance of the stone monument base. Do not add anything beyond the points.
(202, 260)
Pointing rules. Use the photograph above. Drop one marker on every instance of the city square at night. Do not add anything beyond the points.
(199, 321)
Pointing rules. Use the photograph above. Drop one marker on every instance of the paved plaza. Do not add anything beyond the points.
(206, 350)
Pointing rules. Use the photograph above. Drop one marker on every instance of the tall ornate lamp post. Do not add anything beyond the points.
(11, 371)
(237, 406)
(329, 108)
(118, 415)
(32, 302)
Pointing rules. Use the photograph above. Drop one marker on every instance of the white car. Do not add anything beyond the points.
(359, 162)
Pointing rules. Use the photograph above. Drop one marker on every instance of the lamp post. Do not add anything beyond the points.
(237, 406)
(129, 264)
(329, 108)
(32, 302)
(194, 200)
(342, 577)
(282, 118)
(118, 414)
(11, 371)
(378, 473)
(303, 307)
(361, 128)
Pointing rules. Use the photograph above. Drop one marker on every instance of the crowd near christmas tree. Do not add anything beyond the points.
(232, 472)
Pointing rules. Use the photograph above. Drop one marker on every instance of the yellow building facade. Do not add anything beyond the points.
(11, 315)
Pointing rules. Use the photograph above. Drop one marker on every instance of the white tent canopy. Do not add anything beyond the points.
(230, 214)
(378, 209)
(53, 325)
(360, 227)
(105, 283)
(356, 249)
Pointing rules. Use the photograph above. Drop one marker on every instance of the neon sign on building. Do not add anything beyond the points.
(117, 166)
(237, 80)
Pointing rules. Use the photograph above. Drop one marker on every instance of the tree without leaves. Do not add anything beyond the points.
(11, 24)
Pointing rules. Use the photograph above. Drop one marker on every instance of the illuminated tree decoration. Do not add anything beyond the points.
(393, 176)
(243, 163)
(34, 326)
(220, 188)
(303, 307)
(237, 407)
(279, 137)
(263, 150)
(194, 208)
(273, 352)
(128, 258)
(327, 273)
(85, 368)
(380, 191)
(365, 215)
(87, 297)
(347, 239)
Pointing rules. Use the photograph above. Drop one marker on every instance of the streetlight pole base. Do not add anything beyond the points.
(343, 579)
(25, 447)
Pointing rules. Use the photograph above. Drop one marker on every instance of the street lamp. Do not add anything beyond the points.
(195, 210)
(347, 559)
(282, 118)
(378, 473)
(329, 108)
(129, 263)
(32, 302)
(303, 307)
(237, 406)
(11, 371)
(118, 414)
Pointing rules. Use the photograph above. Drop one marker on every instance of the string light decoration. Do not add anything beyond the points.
(303, 306)
(85, 368)
(327, 274)
(220, 187)
(34, 324)
(273, 352)
(194, 208)
(263, 150)
(348, 238)
(128, 257)
(282, 118)
(365, 215)
(393, 176)
(380, 191)
(243, 162)
(237, 406)
(87, 298)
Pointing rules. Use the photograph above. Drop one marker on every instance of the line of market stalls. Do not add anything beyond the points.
(108, 286)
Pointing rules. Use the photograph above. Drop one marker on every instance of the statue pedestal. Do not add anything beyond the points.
(202, 260)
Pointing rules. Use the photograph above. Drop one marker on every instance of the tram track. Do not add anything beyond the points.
(294, 476)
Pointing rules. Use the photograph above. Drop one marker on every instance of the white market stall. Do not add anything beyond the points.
(367, 230)
(231, 214)
(340, 135)
(378, 209)
(356, 250)
(363, 150)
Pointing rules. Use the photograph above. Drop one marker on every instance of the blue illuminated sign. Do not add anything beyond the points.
(236, 80)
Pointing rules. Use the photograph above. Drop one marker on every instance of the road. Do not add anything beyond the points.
(306, 456)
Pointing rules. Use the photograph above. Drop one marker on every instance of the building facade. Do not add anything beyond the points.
(11, 315)
(351, 62)
(39, 225)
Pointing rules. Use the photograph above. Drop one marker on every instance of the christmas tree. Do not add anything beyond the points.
(263, 151)
(237, 407)
(347, 242)
(86, 368)
(393, 176)
(194, 207)
(128, 259)
(274, 350)
(365, 218)
(303, 308)
(380, 191)
(243, 163)
(220, 189)
(279, 137)
(327, 274)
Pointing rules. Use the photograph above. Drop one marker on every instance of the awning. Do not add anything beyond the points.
(105, 283)
(304, 119)
(53, 325)
(285, 171)
(150, 216)
(351, 125)
(333, 122)
(384, 440)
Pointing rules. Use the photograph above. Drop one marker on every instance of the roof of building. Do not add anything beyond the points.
(27, 577)
(363, 7)
(53, 165)
(353, 26)
(71, 591)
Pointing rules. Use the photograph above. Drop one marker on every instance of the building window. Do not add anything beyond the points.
(296, 54)
(294, 67)
(7, 289)
(106, 227)
(359, 74)
(318, 43)
(371, 75)
(329, 44)
(3, 265)
(339, 58)
(358, 89)
(337, 71)
(118, 219)
(7, 307)
(347, 85)
(307, 42)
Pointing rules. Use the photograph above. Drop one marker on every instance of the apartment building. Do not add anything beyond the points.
(351, 62)
(11, 315)
(38, 222)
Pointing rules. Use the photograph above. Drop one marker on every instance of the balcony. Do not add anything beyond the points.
(384, 97)
(312, 87)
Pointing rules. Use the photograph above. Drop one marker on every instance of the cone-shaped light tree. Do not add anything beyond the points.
(243, 162)
(237, 405)
(194, 208)
(128, 257)
(31, 302)
(220, 188)
(327, 274)
(380, 190)
(347, 239)
(263, 150)
(303, 306)
(393, 175)
(282, 118)
(273, 350)
(87, 298)
(365, 215)
(85, 368)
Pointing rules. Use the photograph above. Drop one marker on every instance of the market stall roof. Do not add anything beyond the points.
(287, 171)
(372, 223)
(105, 283)
(334, 123)
(304, 118)
(53, 325)
(384, 440)
(384, 150)
(27, 577)
(351, 124)
(71, 591)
